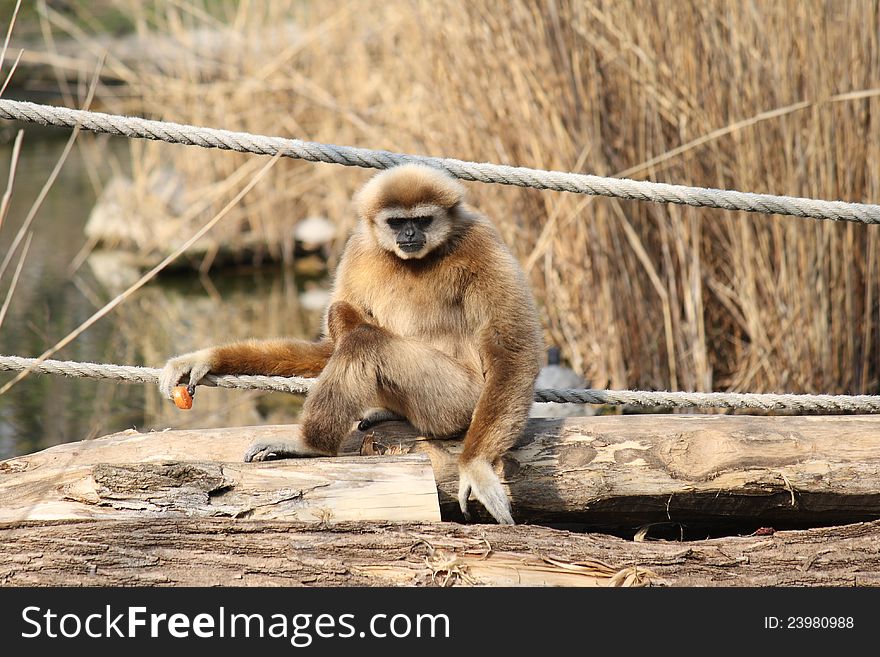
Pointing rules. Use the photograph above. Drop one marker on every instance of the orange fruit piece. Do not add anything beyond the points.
(182, 398)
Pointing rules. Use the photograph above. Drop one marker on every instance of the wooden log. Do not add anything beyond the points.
(235, 552)
(169, 474)
(698, 470)
(612, 472)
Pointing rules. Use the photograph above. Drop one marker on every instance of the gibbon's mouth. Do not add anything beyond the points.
(411, 247)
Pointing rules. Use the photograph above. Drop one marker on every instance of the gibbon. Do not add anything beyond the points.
(431, 319)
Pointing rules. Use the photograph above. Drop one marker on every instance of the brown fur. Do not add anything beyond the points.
(419, 185)
(448, 338)
(272, 357)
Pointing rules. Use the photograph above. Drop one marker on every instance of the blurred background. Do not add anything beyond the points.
(780, 97)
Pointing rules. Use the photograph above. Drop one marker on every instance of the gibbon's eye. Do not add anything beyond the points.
(423, 222)
(395, 223)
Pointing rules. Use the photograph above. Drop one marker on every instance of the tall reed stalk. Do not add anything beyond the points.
(778, 97)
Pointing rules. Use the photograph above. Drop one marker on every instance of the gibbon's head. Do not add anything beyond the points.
(409, 209)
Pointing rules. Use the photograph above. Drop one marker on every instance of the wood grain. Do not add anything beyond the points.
(639, 469)
(165, 474)
(235, 552)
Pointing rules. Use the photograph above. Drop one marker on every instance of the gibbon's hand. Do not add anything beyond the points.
(477, 477)
(196, 365)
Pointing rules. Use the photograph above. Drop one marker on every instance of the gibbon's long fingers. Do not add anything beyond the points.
(478, 478)
(197, 373)
(464, 493)
(196, 364)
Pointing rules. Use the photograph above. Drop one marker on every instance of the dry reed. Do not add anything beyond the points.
(754, 96)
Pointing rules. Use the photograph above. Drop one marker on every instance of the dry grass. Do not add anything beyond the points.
(752, 95)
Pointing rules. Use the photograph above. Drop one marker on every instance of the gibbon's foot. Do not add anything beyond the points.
(192, 366)
(264, 450)
(377, 416)
(478, 478)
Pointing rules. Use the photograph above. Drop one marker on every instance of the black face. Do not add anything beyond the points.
(410, 232)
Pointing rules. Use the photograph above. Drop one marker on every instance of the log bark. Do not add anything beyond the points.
(178, 507)
(231, 552)
(697, 470)
(169, 474)
(615, 473)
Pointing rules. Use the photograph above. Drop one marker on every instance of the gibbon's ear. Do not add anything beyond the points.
(407, 186)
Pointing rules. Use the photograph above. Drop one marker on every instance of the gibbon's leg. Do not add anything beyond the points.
(499, 418)
(372, 367)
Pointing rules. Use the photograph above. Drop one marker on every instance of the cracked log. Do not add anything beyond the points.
(178, 507)
(699, 471)
(200, 473)
(230, 552)
(613, 472)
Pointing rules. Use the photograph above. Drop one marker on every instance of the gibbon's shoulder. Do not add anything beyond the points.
(359, 243)
(481, 239)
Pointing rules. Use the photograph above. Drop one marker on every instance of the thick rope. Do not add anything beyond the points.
(299, 385)
(481, 172)
(132, 374)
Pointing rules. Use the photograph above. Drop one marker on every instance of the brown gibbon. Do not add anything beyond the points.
(431, 319)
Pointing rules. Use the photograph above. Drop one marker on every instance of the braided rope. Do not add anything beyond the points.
(132, 374)
(300, 385)
(481, 172)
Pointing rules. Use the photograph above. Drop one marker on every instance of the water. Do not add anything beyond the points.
(169, 316)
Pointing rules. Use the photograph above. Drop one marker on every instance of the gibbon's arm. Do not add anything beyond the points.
(277, 357)
(510, 349)
(273, 357)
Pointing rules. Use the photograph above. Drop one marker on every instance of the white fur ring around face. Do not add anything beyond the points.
(477, 477)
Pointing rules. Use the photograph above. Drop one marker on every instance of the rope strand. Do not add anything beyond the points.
(641, 398)
(177, 133)
(473, 171)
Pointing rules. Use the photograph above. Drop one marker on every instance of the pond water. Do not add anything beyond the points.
(175, 313)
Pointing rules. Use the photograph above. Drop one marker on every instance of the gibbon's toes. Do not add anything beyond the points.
(261, 451)
(372, 418)
(478, 478)
(193, 366)
(268, 451)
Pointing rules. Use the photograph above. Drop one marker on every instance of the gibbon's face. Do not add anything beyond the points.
(410, 209)
(412, 233)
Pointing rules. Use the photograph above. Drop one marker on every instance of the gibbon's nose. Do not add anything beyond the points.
(409, 231)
